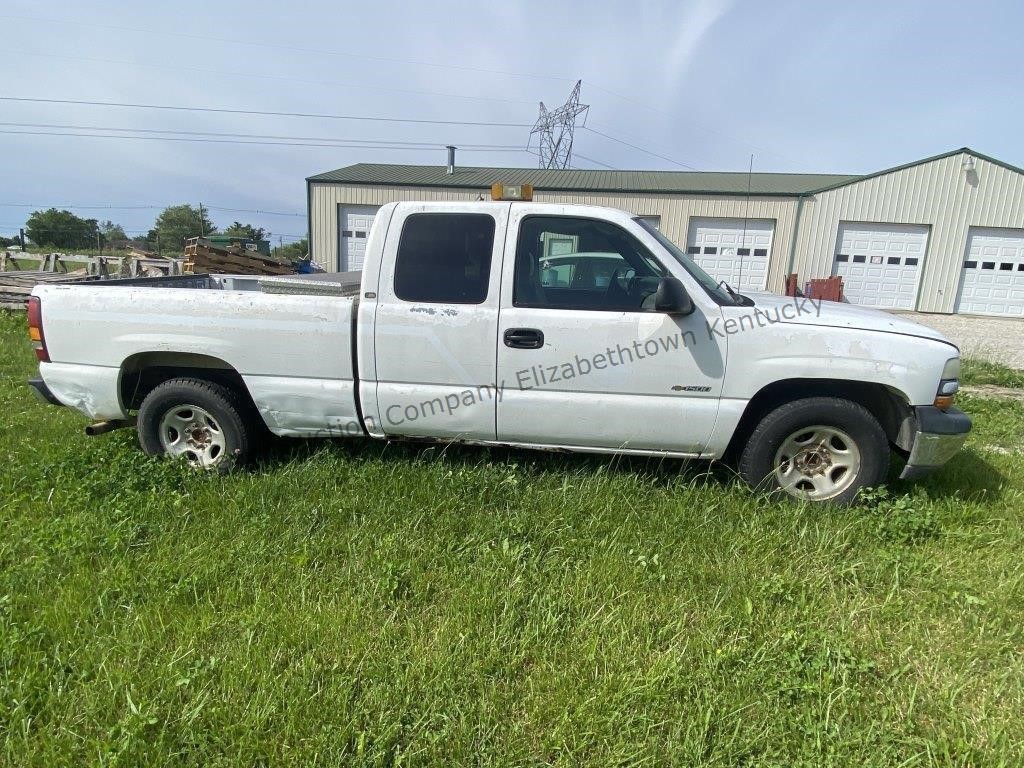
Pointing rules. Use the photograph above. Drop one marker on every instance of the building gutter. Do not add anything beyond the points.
(796, 234)
(309, 219)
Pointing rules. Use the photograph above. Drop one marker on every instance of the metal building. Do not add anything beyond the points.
(943, 234)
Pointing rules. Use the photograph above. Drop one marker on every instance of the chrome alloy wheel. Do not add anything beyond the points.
(190, 431)
(817, 463)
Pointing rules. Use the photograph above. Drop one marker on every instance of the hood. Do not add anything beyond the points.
(799, 310)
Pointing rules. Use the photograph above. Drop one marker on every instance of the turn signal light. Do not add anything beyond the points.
(509, 192)
(35, 328)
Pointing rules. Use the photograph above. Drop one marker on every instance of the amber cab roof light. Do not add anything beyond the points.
(512, 192)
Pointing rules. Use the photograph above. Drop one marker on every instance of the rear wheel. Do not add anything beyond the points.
(819, 449)
(203, 422)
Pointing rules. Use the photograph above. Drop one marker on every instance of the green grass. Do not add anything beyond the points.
(367, 604)
(976, 372)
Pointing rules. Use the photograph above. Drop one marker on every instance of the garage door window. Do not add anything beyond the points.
(445, 258)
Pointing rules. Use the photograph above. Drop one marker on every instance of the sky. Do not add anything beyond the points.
(802, 86)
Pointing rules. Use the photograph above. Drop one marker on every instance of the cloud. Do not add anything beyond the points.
(697, 20)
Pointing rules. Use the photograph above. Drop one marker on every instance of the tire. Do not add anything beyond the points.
(204, 422)
(822, 449)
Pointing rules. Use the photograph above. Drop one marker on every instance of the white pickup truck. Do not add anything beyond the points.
(563, 327)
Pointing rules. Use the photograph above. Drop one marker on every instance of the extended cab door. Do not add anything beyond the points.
(583, 358)
(435, 325)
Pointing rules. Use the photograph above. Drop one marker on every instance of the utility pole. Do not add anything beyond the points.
(99, 245)
(21, 236)
(555, 130)
(202, 233)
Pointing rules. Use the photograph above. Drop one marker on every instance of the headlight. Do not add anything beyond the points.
(949, 385)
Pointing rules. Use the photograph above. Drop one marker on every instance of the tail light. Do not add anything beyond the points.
(35, 328)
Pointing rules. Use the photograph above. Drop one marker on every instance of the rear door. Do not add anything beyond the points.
(435, 327)
(583, 359)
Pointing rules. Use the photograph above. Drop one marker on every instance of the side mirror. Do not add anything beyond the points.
(672, 298)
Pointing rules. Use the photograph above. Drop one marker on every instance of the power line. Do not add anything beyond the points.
(639, 148)
(260, 76)
(418, 121)
(595, 162)
(716, 131)
(355, 142)
(241, 141)
(264, 45)
(114, 207)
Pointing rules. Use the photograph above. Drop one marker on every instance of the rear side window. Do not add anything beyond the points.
(445, 258)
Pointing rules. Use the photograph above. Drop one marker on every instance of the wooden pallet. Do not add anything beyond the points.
(15, 287)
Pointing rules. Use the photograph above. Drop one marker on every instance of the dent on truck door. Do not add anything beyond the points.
(436, 322)
(609, 372)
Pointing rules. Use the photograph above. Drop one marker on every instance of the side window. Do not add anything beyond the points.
(444, 258)
(570, 263)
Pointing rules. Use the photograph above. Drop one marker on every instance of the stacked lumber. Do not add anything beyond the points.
(15, 287)
(134, 252)
(203, 256)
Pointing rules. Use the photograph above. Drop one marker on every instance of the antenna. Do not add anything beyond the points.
(555, 130)
(746, 216)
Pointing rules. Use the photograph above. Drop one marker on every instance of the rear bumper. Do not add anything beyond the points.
(42, 392)
(939, 437)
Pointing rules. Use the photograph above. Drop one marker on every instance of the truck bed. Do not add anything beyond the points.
(289, 338)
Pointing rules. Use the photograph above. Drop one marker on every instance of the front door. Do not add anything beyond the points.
(583, 360)
(436, 323)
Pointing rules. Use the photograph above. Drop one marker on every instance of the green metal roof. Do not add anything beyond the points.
(665, 182)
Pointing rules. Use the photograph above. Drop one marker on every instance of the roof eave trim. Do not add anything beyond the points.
(536, 188)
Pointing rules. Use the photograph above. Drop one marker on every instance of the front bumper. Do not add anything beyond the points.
(939, 436)
(42, 392)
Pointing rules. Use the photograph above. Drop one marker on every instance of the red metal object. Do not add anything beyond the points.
(827, 289)
(792, 286)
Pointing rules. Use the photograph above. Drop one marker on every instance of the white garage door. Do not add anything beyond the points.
(992, 282)
(880, 263)
(353, 228)
(733, 250)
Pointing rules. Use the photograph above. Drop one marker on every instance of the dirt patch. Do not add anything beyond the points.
(991, 390)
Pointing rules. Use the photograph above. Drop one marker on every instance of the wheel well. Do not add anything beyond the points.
(142, 373)
(890, 406)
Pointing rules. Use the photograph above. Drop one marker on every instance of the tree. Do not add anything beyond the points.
(238, 229)
(112, 232)
(6, 242)
(177, 223)
(292, 251)
(61, 229)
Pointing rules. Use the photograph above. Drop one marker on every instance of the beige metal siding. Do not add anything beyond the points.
(939, 194)
(675, 212)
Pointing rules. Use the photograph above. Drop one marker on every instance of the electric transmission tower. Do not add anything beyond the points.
(555, 129)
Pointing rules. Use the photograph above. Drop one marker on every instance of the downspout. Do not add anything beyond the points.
(309, 218)
(796, 233)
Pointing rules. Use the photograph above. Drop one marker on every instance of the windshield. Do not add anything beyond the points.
(708, 283)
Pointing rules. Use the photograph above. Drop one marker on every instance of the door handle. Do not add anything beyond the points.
(524, 338)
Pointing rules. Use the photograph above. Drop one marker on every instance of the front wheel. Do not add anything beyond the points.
(197, 420)
(818, 448)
